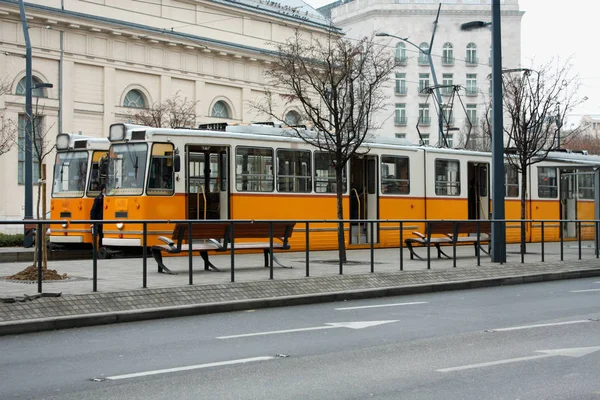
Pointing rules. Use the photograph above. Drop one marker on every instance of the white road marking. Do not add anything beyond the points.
(381, 305)
(332, 325)
(585, 290)
(516, 328)
(573, 352)
(189, 367)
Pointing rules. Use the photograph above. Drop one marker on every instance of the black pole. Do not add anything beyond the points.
(95, 258)
(307, 250)
(27, 240)
(40, 243)
(190, 256)
(144, 255)
(401, 247)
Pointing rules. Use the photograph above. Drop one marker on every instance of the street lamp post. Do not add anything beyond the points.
(498, 229)
(433, 75)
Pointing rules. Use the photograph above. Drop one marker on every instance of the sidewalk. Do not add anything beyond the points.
(121, 298)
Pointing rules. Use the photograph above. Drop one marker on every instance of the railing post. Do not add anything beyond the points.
(341, 226)
(454, 238)
(144, 255)
(271, 250)
(190, 255)
(401, 246)
(372, 247)
(596, 238)
(579, 237)
(560, 233)
(41, 241)
(543, 241)
(232, 247)
(523, 224)
(428, 229)
(95, 258)
(307, 248)
(478, 245)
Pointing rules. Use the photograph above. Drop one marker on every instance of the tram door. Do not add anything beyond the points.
(478, 191)
(363, 199)
(568, 202)
(207, 188)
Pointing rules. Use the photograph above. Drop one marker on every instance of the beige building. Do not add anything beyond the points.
(107, 58)
(460, 58)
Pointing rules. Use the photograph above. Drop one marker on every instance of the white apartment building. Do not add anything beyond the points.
(460, 58)
(106, 58)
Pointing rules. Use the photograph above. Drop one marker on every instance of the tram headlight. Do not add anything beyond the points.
(120, 226)
(116, 133)
(62, 141)
(65, 224)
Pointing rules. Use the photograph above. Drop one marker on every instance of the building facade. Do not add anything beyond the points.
(461, 62)
(107, 59)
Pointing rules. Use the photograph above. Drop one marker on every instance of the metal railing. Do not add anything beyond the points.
(539, 226)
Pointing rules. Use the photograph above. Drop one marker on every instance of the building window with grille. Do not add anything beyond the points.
(400, 135)
(220, 110)
(448, 54)
(471, 56)
(401, 58)
(423, 83)
(424, 118)
(448, 83)
(36, 148)
(448, 116)
(450, 140)
(21, 87)
(400, 83)
(425, 139)
(292, 118)
(400, 115)
(471, 84)
(423, 57)
(134, 99)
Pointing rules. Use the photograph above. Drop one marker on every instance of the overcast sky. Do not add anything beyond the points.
(564, 29)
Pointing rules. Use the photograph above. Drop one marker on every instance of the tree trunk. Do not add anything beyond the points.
(340, 212)
(523, 209)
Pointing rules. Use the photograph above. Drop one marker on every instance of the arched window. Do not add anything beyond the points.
(220, 110)
(34, 92)
(448, 54)
(471, 56)
(423, 57)
(134, 99)
(401, 53)
(292, 118)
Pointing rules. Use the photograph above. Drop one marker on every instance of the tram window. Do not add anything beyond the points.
(395, 178)
(447, 177)
(325, 174)
(547, 183)
(254, 169)
(70, 173)
(160, 173)
(293, 171)
(126, 169)
(585, 186)
(511, 180)
(97, 176)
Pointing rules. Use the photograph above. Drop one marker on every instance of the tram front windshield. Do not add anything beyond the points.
(126, 169)
(70, 173)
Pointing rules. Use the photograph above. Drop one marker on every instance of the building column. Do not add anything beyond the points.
(201, 104)
(110, 100)
(68, 105)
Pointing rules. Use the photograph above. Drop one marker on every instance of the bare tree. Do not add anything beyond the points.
(175, 112)
(532, 103)
(588, 141)
(41, 146)
(337, 86)
(8, 128)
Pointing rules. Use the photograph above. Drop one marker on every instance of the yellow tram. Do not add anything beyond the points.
(265, 172)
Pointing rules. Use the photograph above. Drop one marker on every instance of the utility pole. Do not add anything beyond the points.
(28, 240)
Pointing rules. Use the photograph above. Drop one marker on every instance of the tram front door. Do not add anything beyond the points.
(207, 189)
(363, 199)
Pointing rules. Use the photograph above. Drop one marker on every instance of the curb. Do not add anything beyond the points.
(86, 320)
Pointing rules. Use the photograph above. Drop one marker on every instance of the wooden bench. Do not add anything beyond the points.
(217, 236)
(451, 233)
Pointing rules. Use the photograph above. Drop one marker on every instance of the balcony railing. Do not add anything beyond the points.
(402, 61)
(447, 60)
(425, 120)
(472, 91)
(423, 60)
(400, 121)
(471, 61)
(401, 91)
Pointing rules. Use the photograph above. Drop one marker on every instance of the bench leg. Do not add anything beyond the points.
(157, 254)
(267, 253)
(207, 264)
(412, 251)
(440, 251)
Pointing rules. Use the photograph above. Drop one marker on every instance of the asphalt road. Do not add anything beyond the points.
(536, 341)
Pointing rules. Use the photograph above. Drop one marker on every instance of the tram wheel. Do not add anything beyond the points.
(104, 254)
